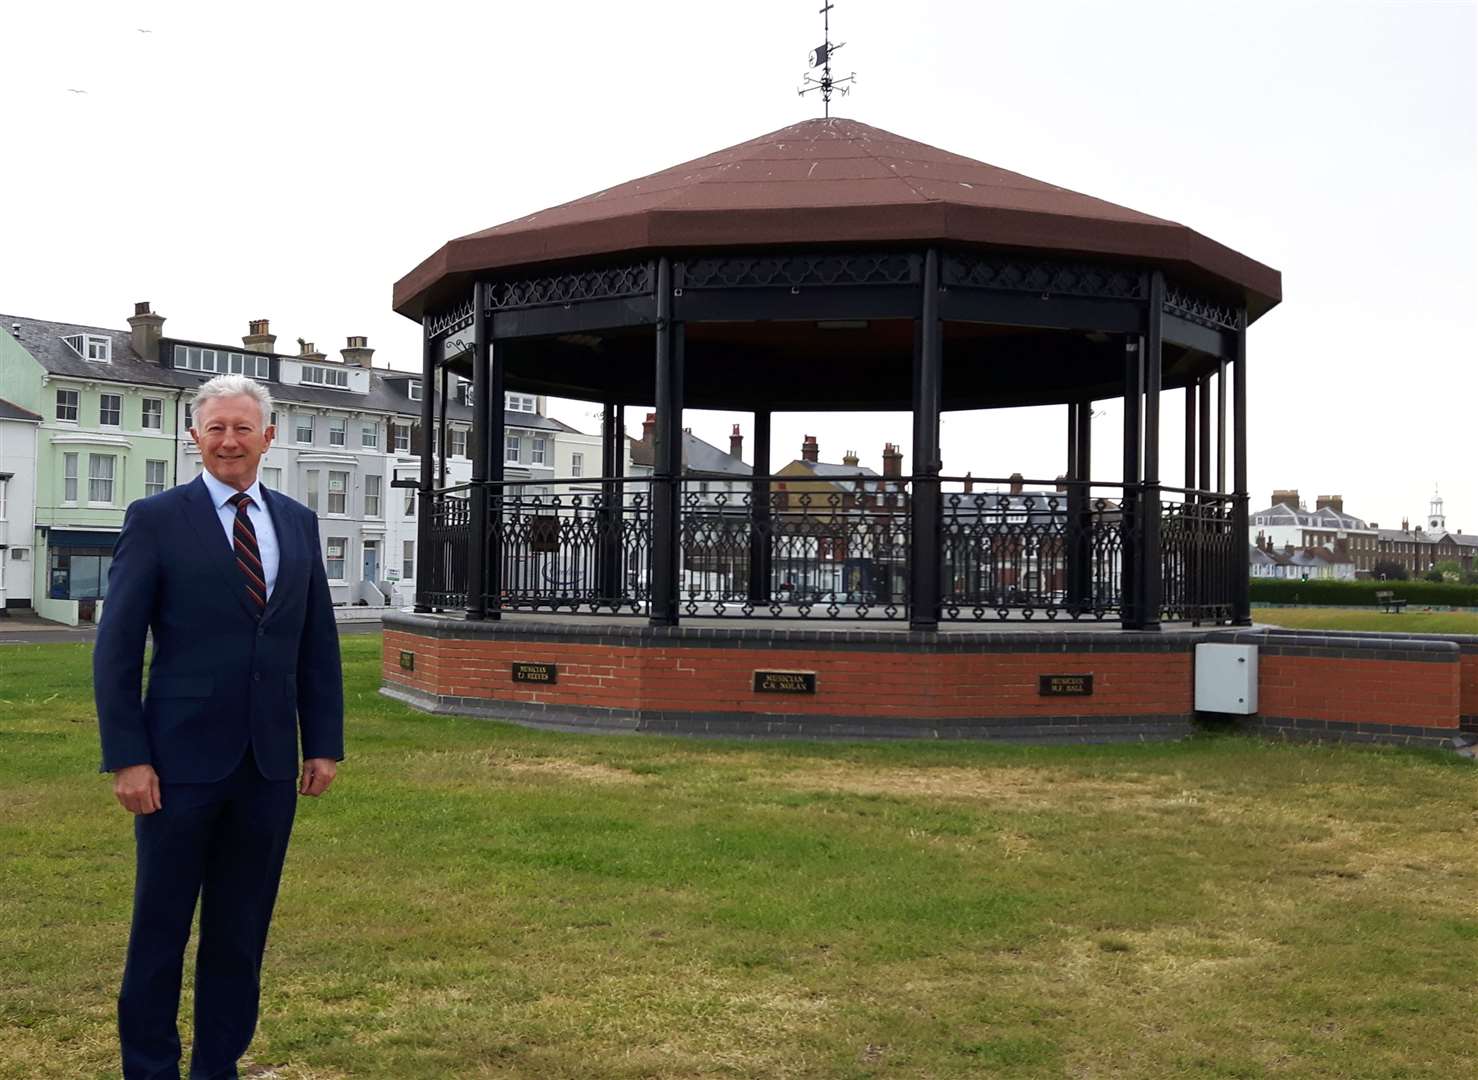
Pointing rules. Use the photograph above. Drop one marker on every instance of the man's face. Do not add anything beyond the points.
(231, 438)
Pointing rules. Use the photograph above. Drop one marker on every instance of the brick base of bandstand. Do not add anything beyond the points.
(1020, 682)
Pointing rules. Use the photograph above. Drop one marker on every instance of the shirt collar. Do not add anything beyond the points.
(220, 493)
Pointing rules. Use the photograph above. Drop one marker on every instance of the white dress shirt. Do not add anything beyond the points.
(261, 521)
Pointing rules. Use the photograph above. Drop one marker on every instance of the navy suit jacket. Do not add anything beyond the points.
(221, 678)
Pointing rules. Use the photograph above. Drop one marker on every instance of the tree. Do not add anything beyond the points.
(1450, 569)
(1389, 570)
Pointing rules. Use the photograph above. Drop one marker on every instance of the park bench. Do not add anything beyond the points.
(1388, 601)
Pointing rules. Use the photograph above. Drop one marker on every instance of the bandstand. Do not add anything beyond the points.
(828, 266)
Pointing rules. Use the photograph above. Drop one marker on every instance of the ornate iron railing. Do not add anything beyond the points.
(1201, 555)
(832, 548)
(580, 546)
(1054, 549)
(445, 552)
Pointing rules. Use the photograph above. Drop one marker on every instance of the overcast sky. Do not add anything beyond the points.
(292, 160)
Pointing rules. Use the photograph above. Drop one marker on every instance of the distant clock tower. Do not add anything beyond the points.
(1436, 522)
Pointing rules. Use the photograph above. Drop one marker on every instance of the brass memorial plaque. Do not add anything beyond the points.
(784, 682)
(1065, 685)
(540, 673)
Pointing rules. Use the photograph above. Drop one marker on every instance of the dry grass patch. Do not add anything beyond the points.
(445, 765)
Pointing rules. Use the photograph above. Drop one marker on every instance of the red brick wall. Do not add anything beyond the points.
(1358, 691)
(924, 686)
(898, 686)
(1468, 684)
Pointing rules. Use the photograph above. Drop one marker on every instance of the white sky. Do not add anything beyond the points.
(292, 160)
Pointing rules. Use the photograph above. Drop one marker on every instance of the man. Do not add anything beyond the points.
(230, 579)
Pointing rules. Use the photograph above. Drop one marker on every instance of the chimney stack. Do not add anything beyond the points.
(736, 443)
(1288, 497)
(357, 353)
(851, 458)
(648, 426)
(969, 483)
(145, 329)
(1062, 484)
(309, 351)
(892, 460)
(809, 450)
(1334, 502)
(1016, 483)
(260, 338)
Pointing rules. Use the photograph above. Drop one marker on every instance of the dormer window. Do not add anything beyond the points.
(413, 390)
(520, 403)
(318, 376)
(94, 347)
(220, 362)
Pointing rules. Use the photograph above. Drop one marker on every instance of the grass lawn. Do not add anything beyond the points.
(1410, 621)
(478, 900)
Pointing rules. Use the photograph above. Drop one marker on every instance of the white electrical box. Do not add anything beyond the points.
(1226, 679)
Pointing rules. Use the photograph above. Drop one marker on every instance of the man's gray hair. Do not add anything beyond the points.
(224, 386)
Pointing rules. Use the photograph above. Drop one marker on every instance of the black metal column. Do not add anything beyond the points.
(1079, 507)
(1190, 434)
(1221, 428)
(425, 565)
(442, 440)
(477, 552)
(1203, 387)
(928, 365)
(609, 571)
(760, 526)
(488, 413)
(667, 467)
(1242, 583)
(1152, 584)
(1129, 543)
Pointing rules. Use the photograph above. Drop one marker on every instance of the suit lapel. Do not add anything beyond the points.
(200, 511)
(289, 551)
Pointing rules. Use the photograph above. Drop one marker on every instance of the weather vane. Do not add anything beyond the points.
(821, 58)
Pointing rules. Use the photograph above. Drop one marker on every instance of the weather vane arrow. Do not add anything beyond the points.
(821, 58)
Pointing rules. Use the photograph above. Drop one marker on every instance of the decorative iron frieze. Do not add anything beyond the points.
(449, 320)
(607, 283)
(1046, 278)
(1203, 311)
(796, 271)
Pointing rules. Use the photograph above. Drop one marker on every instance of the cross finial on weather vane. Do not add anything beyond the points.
(821, 58)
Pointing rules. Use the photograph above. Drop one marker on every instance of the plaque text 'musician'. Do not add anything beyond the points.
(1065, 685)
(540, 673)
(784, 682)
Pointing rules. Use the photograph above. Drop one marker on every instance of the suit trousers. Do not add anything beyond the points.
(223, 843)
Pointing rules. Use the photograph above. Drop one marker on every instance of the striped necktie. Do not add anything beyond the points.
(248, 555)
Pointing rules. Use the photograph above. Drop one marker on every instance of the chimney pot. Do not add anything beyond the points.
(358, 353)
(736, 443)
(1016, 483)
(144, 331)
(892, 460)
(969, 482)
(259, 337)
(809, 450)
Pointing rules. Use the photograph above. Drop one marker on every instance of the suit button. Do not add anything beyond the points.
(256, 677)
(260, 632)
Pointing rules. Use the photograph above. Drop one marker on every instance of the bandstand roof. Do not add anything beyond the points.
(826, 182)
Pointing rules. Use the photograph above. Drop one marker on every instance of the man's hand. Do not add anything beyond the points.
(137, 789)
(318, 774)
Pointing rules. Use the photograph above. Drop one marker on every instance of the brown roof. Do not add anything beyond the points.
(833, 181)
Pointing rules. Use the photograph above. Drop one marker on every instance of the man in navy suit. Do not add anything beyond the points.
(229, 578)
